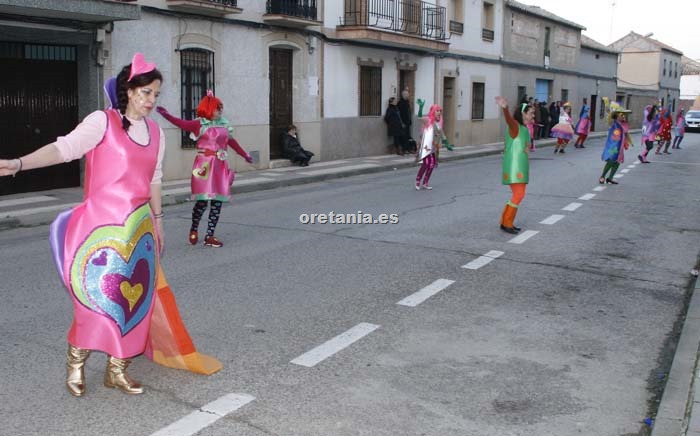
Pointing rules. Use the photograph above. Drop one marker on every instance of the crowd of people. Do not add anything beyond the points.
(107, 249)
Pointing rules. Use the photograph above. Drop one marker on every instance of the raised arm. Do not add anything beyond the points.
(237, 147)
(513, 127)
(191, 126)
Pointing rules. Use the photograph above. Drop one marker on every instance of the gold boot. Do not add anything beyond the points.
(75, 373)
(116, 376)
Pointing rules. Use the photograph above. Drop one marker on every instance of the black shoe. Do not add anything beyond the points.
(611, 182)
(582, 146)
(510, 230)
(517, 229)
(561, 151)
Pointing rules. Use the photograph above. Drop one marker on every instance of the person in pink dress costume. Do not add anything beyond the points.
(563, 130)
(583, 127)
(107, 248)
(680, 129)
(211, 175)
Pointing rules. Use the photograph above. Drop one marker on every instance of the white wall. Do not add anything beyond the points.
(690, 86)
(470, 41)
(341, 78)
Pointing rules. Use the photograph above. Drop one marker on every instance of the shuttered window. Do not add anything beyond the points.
(197, 76)
(478, 90)
(370, 91)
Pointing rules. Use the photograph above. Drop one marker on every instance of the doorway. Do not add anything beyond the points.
(448, 107)
(38, 103)
(593, 116)
(281, 114)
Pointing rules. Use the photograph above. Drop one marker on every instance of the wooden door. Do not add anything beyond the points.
(448, 107)
(281, 114)
(38, 103)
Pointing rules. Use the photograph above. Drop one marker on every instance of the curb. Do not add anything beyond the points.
(46, 217)
(679, 411)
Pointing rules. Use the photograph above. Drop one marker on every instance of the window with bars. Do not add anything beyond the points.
(370, 91)
(196, 76)
(478, 90)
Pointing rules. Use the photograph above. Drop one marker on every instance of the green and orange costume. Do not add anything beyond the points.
(516, 169)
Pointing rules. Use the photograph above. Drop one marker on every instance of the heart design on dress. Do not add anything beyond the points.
(113, 272)
(202, 172)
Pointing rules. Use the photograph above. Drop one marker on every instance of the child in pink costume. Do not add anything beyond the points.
(431, 137)
(211, 175)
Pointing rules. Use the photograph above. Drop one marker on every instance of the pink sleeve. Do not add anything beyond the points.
(158, 174)
(83, 138)
(191, 126)
(237, 147)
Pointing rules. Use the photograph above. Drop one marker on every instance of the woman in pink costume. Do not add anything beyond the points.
(563, 130)
(211, 175)
(107, 248)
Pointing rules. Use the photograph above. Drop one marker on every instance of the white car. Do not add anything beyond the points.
(692, 120)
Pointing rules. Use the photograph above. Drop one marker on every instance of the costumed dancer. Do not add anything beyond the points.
(680, 129)
(583, 127)
(107, 249)
(650, 126)
(617, 142)
(531, 130)
(665, 126)
(516, 164)
(563, 130)
(432, 136)
(211, 175)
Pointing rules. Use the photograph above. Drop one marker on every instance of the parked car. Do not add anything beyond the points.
(692, 121)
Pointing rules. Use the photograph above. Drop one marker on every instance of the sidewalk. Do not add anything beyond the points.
(679, 410)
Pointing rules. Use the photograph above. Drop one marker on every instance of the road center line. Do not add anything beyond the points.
(618, 176)
(205, 416)
(599, 188)
(524, 236)
(552, 219)
(414, 300)
(481, 260)
(572, 207)
(329, 348)
(586, 196)
(625, 171)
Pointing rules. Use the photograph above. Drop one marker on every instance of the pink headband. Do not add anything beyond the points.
(140, 66)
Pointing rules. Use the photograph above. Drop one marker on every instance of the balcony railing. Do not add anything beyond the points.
(206, 7)
(413, 17)
(487, 34)
(305, 9)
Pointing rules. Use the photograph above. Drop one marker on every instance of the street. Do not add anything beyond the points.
(568, 329)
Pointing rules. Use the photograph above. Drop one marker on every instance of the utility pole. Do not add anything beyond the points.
(612, 14)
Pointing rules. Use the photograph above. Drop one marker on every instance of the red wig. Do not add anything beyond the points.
(208, 105)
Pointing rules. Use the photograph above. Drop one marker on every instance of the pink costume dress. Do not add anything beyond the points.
(211, 175)
(106, 249)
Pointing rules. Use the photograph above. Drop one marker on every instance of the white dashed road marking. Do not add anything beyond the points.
(425, 293)
(553, 219)
(599, 188)
(586, 196)
(572, 207)
(206, 415)
(524, 236)
(483, 260)
(329, 348)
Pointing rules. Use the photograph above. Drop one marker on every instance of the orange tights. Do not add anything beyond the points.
(518, 190)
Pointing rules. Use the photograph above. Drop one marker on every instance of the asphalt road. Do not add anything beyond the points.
(567, 333)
